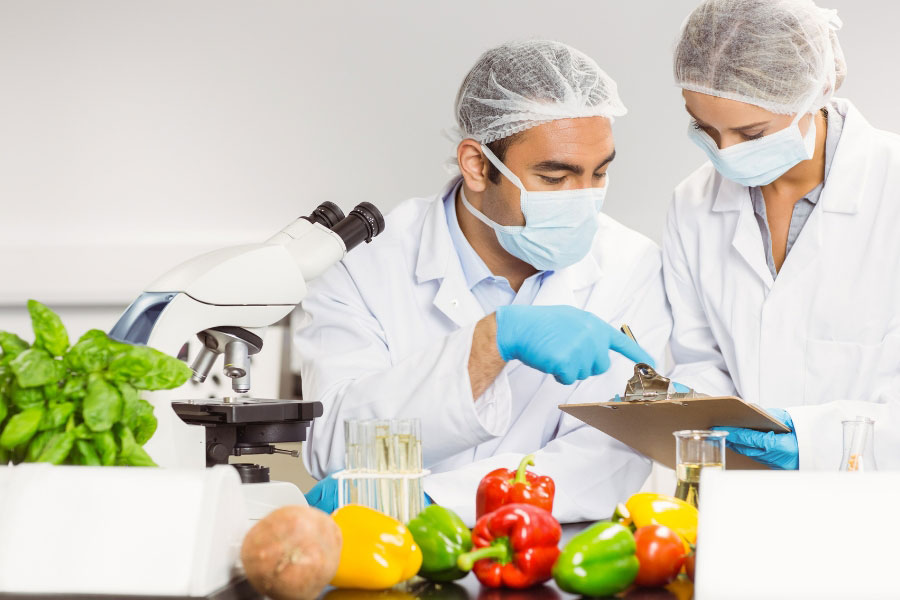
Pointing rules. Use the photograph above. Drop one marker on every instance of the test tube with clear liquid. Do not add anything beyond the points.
(353, 457)
(385, 462)
(696, 450)
(408, 492)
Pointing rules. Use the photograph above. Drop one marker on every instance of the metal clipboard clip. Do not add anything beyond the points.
(649, 386)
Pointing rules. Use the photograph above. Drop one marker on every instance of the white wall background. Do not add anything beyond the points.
(136, 134)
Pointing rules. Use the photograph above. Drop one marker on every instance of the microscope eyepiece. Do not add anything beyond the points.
(363, 223)
(328, 214)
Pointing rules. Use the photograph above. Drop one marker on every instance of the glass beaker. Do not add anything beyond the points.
(859, 445)
(695, 450)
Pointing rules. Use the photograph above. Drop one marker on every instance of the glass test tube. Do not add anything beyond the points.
(408, 492)
(383, 460)
(352, 460)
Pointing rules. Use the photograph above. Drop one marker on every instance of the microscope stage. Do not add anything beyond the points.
(209, 411)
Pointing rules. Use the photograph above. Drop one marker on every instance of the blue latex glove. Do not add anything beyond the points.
(564, 341)
(776, 450)
(324, 495)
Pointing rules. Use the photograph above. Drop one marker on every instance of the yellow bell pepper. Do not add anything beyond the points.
(377, 552)
(658, 509)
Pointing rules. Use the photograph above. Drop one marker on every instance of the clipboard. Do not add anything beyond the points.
(647, 416)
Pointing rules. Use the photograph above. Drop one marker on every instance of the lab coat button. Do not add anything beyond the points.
(454, 303)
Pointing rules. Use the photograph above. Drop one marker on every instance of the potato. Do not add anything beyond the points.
(292, 553)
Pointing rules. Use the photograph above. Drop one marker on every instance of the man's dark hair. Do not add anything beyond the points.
(499, 148)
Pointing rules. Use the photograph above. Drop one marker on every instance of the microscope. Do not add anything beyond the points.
(227, 298)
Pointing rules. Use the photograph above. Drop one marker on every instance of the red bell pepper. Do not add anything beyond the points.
(515, 546)
(504, 486)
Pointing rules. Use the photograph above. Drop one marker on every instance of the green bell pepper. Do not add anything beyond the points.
(442, 536)
(599, 561)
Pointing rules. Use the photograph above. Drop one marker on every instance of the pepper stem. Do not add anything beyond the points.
(499, 550)
(520, 473)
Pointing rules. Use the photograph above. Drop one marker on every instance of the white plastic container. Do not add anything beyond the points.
(119, 530)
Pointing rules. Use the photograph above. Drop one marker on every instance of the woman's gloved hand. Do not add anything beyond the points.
(776, 450)
(563, 341)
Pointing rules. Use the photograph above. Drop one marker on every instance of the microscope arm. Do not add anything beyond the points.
(238, 290)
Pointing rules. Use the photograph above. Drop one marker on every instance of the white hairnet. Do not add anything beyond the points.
(781, 55)
(519, 85)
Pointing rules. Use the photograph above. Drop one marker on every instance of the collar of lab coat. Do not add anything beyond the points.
(849, 163)
(840, 196)
(438, 259)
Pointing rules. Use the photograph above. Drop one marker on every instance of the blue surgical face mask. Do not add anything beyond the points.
(759, 162)
(559, 226)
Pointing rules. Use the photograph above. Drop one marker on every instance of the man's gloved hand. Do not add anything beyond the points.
(564, 341)
(324, 495)
(776, 450)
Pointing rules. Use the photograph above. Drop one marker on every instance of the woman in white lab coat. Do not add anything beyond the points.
(782, 253)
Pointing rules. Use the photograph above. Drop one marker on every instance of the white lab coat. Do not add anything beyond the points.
(389, 335)
(822, 339)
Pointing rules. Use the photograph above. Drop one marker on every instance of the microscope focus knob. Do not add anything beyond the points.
(219, 453)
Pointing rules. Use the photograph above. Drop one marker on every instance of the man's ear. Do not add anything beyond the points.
(472, 164)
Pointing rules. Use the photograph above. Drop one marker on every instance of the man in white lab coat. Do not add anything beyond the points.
(484, 307)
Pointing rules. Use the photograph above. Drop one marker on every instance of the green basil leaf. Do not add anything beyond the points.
(131, 362)
(37, 445)
(53, 391)
(4, 457)
(4, 409)
(11, 344)
(35, 367)
(130, 401)
(125, 438)
(131, 453)
(82, 432)
(105, 443)
(91, 353)
(56, 416)
(140, 458)
(144, 423)
(102, 405)
(49, 332)
(88, 453)
(58, 448)
(27, 397)
(21, 427)
(148, 369)
(75, 387)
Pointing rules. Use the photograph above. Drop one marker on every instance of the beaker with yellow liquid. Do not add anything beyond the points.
(696, 450)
